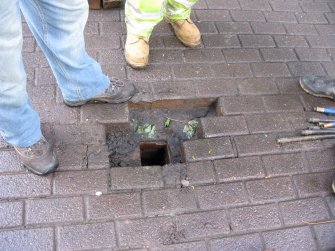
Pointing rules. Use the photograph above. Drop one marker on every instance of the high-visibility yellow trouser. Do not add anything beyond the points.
(143, 15)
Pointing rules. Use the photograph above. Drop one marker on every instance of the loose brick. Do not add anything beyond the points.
(256, 41)
(282, 103)
(271, 70)
(239, 168)
(192, 71)
(256, 144)
(10, 162)
(136, 177)
(321, 41)
(174, 90)
(325, 235)
(203, 224)
(314, 184)
(285, 6)
(223, 126)
(207, 149)
(269, 122)
(194, 246)
(257, 86)
(268, 28)
(221, 196)
(271, 189)
(11, 214)
(247, 15)
(234, 27)
(305, 210)
(149, 231)
(244, 242)
(30, 186)
(305, 68)
(311, 18)
(242, 55)
(232, 70)
(254, 217)
(199, 172)
(215, 88)
(200, 56)
(279, 55)
(321, 160)
(164, 201)
(54, 210)
(80, 182)
(280, 17)
(280, 164)
(290, 239)
(213, 15)
(112, 206)
(313, 54)
(290, 41)
(105, 114)
(28, 239)
(88, 236)
(221, 41)
(242, 104)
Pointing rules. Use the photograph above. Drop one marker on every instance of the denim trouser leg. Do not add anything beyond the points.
(58, 28)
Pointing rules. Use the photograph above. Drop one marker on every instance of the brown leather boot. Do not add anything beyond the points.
(137, 51)
(186, 31)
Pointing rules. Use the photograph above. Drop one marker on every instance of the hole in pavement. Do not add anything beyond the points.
(154, 136)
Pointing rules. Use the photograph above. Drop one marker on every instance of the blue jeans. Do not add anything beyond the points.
(57, 26)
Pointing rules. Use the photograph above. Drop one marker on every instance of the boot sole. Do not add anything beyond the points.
(95, 101)
(312, 93)
(134, 65)
(42, 174)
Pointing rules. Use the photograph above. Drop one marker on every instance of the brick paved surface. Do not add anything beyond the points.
(246, 192)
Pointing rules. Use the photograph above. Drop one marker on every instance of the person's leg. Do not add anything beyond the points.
(141, 17)
(178, 15)
(19, 123)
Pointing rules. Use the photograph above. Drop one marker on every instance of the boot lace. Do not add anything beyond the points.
(115, 86)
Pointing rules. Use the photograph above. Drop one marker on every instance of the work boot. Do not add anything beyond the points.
(186, 31)
(117, 92)
(333, 185)
(137, 51)
(38, 158)
(318, 86)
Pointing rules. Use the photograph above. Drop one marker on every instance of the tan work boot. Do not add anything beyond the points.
(186, 31)
(137, 51)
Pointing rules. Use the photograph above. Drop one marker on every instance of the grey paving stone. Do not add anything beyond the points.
(242, 55)
(256, 41)
(311, 18)
(213, 15)
(105, 114)
(242, 243)
(239, 168)
(315, 7)
(199, 172)
(10, 162)
(112, 206)
(331, 203)
(234, 27)
(255, 5)
(257, 86)
(270, 70)
(54, 210)
(215, 88)
(98, 235)
(279, 54)
(187, 71)
(282, 103)
(221, 41)
(102, 42)
(71, 157)
(232, 70)
(97, 157)
(280, 17)
(11, 214)
(325, 235)
(285, 6)
(172, 175)
(152, 73)
(242, 104)
(201, 56)
(306, 210)
(268, 28)
(300, 29)
(191, 246)
(290, 239)
(290, 41)
(184, 89)
(223, 4)
(221, 196)
(270, 122)
(247, 15)
(321, 160)
(321, 41)
(312, 54)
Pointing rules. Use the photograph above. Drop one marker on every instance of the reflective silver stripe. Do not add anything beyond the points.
(135, 12)
(186, 3)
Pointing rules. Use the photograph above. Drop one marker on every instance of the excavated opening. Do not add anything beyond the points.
(154, 153)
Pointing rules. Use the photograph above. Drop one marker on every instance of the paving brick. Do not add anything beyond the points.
(315, 7)
(80, 182)
(330, 17)
(234, 27)
(321, 41)
(77, 135)
(223, 126)
(280, 17)
(290, 41)
(11, 214)
(199, 172)
(42, 94)
(57, 113)
(215, 88)
(166, 56)
(109, 57)
(4, 145)
(290, 239)
(44, 76)
(212, 55)
(305, 210)
(88, 236)
(243, 242)
(213, 15)
(256, 144)
(325, 235)
(30, 186)
(207, 27)
(136, 177)
(105, 113)
(282, 103)
(223, 4)
(306, 68)
(300, 29)
(310, 102)
(255, 5)
(279, 55)
(254, 217)
(114, 71)
(331, 203)
(285, 6)
(314, 184)
(97, 157)
(247, 15)
(256, 41)
(289, 85)
(91, 28)
(268, 28)
(34, 60)
(270, 189)
(28, 239)
(242, 104)
(103, 16)
(160, 202)
(221, 196)
(203, 224)
(28, 44)
(172, 175)
(321, 160)
(112, 206)
(330, 68)
(242, 55)
(187, 71)
(109, 28)
(152, 72)
(280, 164)
(232, 70)
(10, 162)
(148, 232)
(311, 18)
(182, 89)
(269, 122)
(102, 42)
(54, 210)
(194, 246)
(221, 41)
(271, 70)
(71, 157)
(239, 168)
(207, 149)
(313, 54)
(257, 86)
